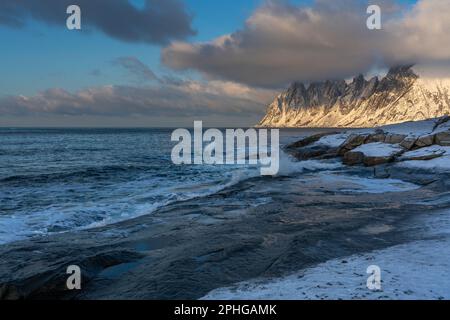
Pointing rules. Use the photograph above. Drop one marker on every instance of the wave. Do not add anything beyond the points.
(87, 173)
(59, 218)
(66, 207)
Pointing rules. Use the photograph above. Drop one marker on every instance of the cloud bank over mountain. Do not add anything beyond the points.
(281, 43)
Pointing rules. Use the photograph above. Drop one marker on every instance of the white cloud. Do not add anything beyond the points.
(186, 99)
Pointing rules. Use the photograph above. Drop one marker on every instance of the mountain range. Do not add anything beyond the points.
(402, 95)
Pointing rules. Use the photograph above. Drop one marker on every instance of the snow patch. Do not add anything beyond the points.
(379, 149)
(438, 164)
(333, 141)
(431, 150)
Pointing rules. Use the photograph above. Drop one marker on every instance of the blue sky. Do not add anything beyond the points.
(40, 56)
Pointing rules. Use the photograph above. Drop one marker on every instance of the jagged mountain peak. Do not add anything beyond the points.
(397, 97)
(401, 72)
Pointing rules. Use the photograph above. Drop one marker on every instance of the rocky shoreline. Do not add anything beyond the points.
(379, 146)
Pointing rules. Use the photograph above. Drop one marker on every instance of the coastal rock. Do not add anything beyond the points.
(428, 153)
(411, 141)
(377, 137)
(443, 138)
(352, 142)
(424, 141)
(375, 161)
(352, 158)
(313, 151)
(378, 153)
(408, 142)
(393, 138)
(442, 120)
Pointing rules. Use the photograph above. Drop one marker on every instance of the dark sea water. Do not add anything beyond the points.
(55, 180)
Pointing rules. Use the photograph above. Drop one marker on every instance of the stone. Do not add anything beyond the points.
(424, 141)
(441, 121)
(443, 138)
(393, 138)
(311, 152)
(408, 142)
(375, 161)
(353, 158)
(429, 156)
(377, 137)
(352, 142)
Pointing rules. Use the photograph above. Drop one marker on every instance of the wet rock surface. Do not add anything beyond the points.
(190, 248)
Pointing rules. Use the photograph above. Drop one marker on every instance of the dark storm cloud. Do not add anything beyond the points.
(281, 43)
(158, 22)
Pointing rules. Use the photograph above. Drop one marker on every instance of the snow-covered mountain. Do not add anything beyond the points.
(402, 95)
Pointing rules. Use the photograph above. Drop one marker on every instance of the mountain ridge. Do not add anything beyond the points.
(402, 95)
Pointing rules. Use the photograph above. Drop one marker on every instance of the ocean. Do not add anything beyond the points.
(57, 180)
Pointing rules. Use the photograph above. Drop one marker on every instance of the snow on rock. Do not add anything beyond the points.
(379, 149)
(333, 141)
(426, 153)
(437, 164)
(421, 140)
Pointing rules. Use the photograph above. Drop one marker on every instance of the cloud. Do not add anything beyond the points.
(421, 35)
(174, 101)
(157, 23)
(281, 43)
(137, 68)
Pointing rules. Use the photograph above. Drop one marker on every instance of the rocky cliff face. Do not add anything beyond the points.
(398, 97)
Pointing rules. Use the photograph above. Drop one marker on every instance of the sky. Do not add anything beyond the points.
(166, 63)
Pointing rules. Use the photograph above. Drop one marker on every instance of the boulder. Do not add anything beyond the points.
(424, 141)
(393, 138)
(429, 156)
(353, 158)
(441, 121)
(352, 142)
(408, 142)
(427, 153)
(377, 153)
(377, 160)
(443, 138)
(377, 137)
(312, 152)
